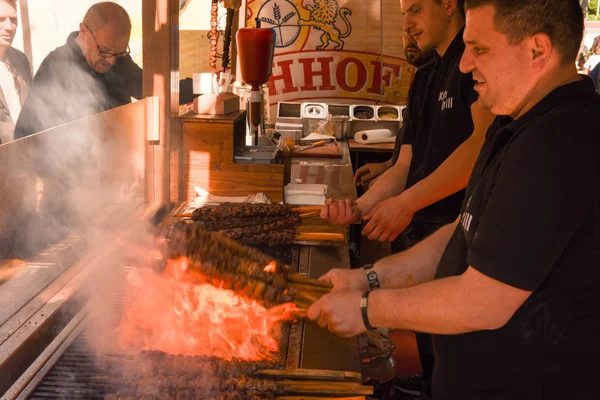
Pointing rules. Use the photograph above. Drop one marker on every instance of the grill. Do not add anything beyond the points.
(73, 376)
(73, 369)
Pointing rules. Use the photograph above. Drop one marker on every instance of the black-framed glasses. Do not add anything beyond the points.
(107, 54)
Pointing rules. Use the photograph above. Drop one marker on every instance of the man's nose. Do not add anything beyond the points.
(409, 24)
(466, 62)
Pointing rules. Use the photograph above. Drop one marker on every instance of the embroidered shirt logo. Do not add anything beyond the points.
(465, 221)
(447, 102)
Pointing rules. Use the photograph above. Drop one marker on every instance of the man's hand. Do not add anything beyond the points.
(353, 279)
(341, 212)
(368, 172)
(339, 312)
(388, 219)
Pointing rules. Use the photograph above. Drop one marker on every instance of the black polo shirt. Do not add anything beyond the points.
(531, 219)
(439, 121)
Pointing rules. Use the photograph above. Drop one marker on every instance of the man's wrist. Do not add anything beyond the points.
(371, 277)
(364, 310)
(410, 200)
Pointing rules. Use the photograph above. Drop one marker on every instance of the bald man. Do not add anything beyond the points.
(93, 72)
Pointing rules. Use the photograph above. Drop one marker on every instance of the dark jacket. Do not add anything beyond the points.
(595, 75)
(19, 65)
(65, 88)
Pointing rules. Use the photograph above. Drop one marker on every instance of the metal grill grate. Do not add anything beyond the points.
(74, 376)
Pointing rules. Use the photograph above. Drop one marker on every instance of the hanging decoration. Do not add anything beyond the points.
(214, 34)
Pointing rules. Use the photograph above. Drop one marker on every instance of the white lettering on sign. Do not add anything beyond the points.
(339, 75)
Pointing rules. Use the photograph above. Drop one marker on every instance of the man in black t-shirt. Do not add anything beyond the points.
(442, 138)
(511, 289)
(366, 174)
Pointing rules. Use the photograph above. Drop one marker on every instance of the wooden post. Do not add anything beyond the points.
(161, 78)
(25, 25)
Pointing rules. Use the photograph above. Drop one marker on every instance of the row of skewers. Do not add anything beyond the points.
(242, 269)
(264, 224)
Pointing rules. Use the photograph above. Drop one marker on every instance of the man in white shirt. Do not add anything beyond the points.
(15, 72)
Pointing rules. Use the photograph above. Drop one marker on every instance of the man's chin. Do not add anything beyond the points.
(102, 69)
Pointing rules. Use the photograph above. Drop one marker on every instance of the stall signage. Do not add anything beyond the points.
(334, 49)
(339, 75)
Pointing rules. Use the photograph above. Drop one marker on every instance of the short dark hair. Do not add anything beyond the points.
(561, 20)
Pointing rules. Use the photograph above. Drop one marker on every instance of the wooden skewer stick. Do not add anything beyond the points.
(321, 237)
(310, 214)
(307, 209)
(317, 398)
(324, 387)
(182, 215)
(299, 278)
(311, 374)
(310, 297)
(300, 288)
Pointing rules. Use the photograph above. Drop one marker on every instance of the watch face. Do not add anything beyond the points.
(373, 280)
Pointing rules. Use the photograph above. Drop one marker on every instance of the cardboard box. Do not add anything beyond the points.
(221, 104)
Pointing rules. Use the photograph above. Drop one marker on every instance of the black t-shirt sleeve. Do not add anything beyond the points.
(541, 194)
(409, 133)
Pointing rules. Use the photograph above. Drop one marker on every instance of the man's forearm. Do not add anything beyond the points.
(449, 178)
(458, 304)
(454, 173)
(437, 307)
(415, 265)
(391, 183)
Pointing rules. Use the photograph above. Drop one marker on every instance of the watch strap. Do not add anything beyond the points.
(364, 302)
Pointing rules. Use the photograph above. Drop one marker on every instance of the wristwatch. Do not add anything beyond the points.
(364, 302)
(371, 276)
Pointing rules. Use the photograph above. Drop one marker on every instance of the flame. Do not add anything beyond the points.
(180, 312)
(272, 267)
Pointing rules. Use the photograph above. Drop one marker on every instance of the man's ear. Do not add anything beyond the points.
(541, 49)
(450, 5)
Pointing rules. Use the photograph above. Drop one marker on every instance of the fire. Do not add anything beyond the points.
(179, 312)
(272, 267)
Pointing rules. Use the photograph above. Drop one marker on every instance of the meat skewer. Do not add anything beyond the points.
(222, 261)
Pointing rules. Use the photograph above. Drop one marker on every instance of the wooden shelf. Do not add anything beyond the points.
(375, 148)
(208, 146)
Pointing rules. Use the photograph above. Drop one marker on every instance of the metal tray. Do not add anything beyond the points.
(256, 155)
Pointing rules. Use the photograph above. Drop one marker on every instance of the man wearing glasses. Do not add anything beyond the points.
(91, 73)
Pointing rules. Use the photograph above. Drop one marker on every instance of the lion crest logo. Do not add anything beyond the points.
(323, 16)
